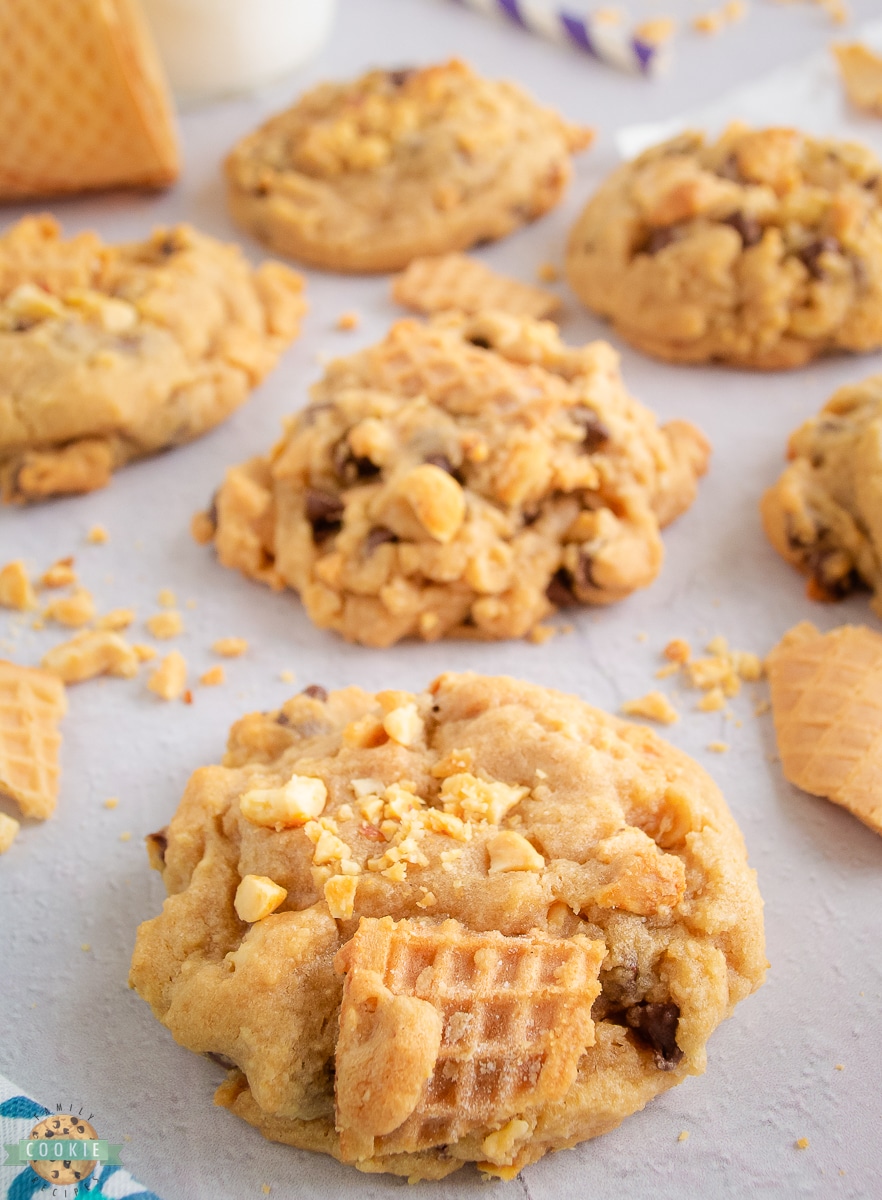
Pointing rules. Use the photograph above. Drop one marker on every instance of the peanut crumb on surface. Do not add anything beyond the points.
(166, 598)
(656, 31)
(287, 676)
(125, 836)
(73, 611)
(540, 634)
(712, 700)
(212, 677)
(708, 22)
(85, 947)
(166, 624)
(16, 589)
(170, 677)
(230, 647)
(116, 619)
(840, 1067)
(202, 528)
(548, 273)
(90, 653)
(761, 708)
(9, 828)
(143, 652)
(654, 706)
(60, 574)
(683, 1135)
(348, 320)
(718, 747)
(802, 1143)
(97, 535)
(642, 636)
(111, 802)
(677, 650)
(266, 1189)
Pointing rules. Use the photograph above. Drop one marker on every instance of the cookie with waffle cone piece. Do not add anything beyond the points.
(32, 703)
(827, 705)
(83, 101)
(447, 1035)
(455, 281)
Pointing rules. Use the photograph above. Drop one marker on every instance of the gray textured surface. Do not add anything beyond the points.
(70, 1028)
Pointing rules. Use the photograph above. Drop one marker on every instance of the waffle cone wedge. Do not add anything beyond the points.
(827, 705)
(32, 702)
(83, 101)
(455, 281)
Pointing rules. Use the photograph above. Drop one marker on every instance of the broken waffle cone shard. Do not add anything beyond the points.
(497, 1026)
(455, 281)
(32, 702)
(83, 100)
(827, 706)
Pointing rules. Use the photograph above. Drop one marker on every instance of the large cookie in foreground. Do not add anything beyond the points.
(824, 514)
(369, 174)
(471, 925)
(460, 479)
(111, 353)
(762, 249)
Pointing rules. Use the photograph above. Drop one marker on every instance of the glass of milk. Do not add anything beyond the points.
(215, 48)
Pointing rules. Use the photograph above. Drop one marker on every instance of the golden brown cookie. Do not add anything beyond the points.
(827, 705)
(110, 353)
(509, 921)
(824, 514)
(761, 249)
(462, 478)
(367, 175)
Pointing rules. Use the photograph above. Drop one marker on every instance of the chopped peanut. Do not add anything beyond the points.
(111, 802)
(212, 677)
(510, 851)
(9, 828)
(340, 896)
(202, 528)
(437, 500)
(256, 897)
(143, 652)
(74, 611)
(166, 598)
(678, 651)
(497, 1147)
(116, 619)
(348, 320)
(404, 725)
(230, 647)
(90, 654)
(165, 624)
(60, 574)
(300, 800)
(474, 799)
(712, 701)
(170, 677)
(16, 590)
(654, 706)
(98, 535)
(718, 747)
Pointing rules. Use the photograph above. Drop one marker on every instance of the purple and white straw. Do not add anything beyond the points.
(605, 40)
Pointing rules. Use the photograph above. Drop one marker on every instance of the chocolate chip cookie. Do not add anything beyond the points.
(367, 175)
(470, 925)
(762, 249)
(110, 353)
(462, 478)
(824, 515)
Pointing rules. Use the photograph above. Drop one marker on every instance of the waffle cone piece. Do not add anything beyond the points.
(455, 281)
(447, 1034)
(827, 705)
(83, 101)
(32, 703)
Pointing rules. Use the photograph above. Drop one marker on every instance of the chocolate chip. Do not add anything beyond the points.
(324, 511)
(316, 692)
(159, 842)
(399, 77)
(283, 719)
(212, 509)
(658, 239)
(444, 464)
(167, 246)
(748, 228)
(871, 183)
(584, 574)
(811, 254)
(480, 342)
(221, 1060)
(560, 590)
(596, 433)
(656, 1024)
(378, 536)
(832, 573)
(352, 468)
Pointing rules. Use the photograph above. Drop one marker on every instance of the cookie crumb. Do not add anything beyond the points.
(712, 701)
(642, 636)
(287, 676)
(85, 947)
(683, 1135)
(60, 574)
(654, 706)
(802, 1143)
(73, 611)
(667, 670)
(348, 320)
(839, 1067)
(540, 634)
(230, 647)
(116, 620)
(708, 22)
(202, 528)
(213, 677)
(548, 273)
(16, 589)
(111, 802)
(165, 625)
(97, 535)
(718, 747)
(677, 650)
(125, 836)
(9, 828)
(266, 1189)
(91, 653)
(166, 598)
(143, 652)
(170, 677)
(656, 31)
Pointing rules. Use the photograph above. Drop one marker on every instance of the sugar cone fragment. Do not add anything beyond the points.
(83, 101)
(827, 706)
(32, 703)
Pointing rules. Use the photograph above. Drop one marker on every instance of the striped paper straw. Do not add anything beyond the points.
(607, 41)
